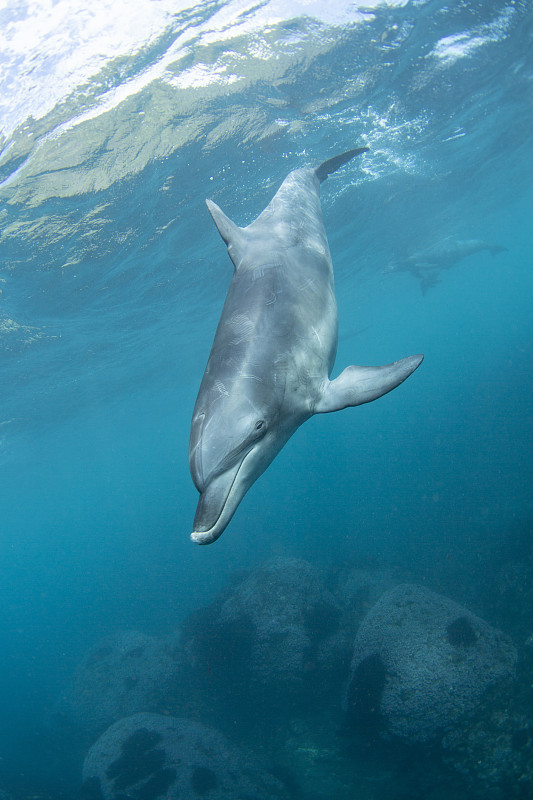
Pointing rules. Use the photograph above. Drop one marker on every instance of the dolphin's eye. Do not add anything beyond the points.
(260, 426)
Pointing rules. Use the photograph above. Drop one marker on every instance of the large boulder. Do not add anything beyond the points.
(265, 641)
(506, 583)
(121, 674)
(493, 749)
(420, 662)
(153, 757)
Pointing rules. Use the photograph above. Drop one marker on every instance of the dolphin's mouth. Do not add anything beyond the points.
(217, 504)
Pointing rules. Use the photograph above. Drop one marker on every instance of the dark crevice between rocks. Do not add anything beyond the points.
(138, 760)
(363, 710)
(203, 780)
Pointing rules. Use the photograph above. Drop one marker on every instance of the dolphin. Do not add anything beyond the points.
(274, 348)
(427, 264)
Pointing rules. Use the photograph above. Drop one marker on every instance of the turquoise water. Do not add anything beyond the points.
(117, 121)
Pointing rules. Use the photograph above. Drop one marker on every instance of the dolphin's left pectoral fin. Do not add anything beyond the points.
(358, 385)
(230, 232)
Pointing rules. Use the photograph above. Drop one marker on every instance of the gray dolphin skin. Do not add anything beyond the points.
(427, 264)
(273, 350)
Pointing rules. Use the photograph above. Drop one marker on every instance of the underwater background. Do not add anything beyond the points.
(117, 121)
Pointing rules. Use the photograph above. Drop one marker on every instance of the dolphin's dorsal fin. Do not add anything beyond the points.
(358, 385)
(333, 164)
(230, 232)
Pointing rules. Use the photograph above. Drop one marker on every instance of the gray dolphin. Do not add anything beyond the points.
(427, 264)
(274, 349)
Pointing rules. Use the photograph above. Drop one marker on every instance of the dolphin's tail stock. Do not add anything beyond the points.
(333, 164)
(497, 248)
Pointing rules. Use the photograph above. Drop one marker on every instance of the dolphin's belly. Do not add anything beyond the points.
(279, 327)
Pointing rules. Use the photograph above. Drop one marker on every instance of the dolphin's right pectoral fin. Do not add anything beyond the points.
(358, 385)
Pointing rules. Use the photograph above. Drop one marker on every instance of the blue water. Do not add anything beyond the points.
(116, 123)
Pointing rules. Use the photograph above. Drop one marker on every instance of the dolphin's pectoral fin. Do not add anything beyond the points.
(230, 232)
(226, 227)
(429, 280)
(358, 385)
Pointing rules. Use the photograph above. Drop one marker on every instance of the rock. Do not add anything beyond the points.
(123, 673)
(153, 757)
(493, 748)
(506, 585)
(420, 661)
(266, 641)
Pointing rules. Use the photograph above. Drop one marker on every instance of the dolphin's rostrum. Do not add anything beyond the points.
(274, 349)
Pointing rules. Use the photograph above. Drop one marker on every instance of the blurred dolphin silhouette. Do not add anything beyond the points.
(274, 349)
(427, 264)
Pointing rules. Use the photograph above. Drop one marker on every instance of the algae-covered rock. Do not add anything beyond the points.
(121, 674)
(155, 757)
(420, 661)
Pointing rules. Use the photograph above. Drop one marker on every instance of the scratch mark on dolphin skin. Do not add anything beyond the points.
(317, 335)
(219, 386)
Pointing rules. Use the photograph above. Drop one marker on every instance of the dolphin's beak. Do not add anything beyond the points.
(216, 505)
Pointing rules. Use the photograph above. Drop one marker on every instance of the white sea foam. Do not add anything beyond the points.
(451, 48)
(51, 49)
